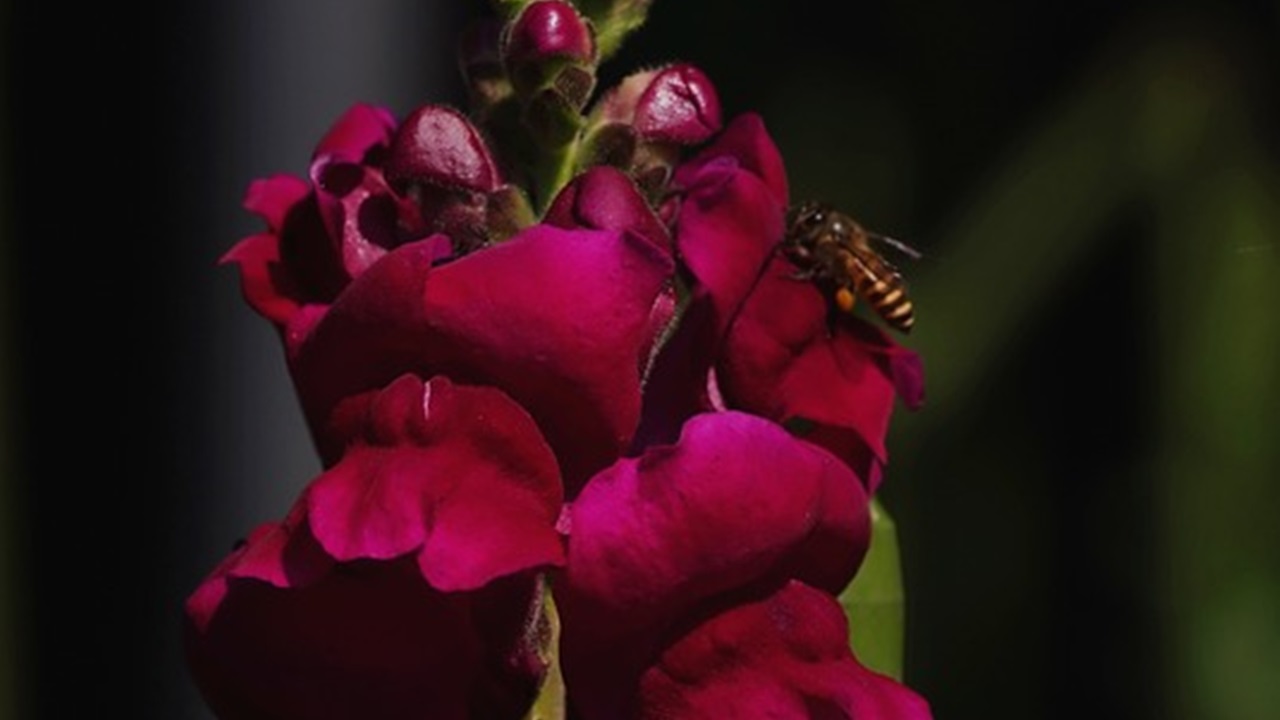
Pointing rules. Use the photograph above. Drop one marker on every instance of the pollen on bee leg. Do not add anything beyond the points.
(845, 299)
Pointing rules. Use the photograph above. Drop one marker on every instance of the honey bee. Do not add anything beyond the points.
(833, 250)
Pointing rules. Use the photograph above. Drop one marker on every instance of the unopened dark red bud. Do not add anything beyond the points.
(438, 146)
(547, 30)
(680, 105)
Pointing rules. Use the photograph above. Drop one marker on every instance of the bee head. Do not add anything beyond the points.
(806, 216)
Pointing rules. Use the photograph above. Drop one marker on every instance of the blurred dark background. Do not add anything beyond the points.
(1087, 504)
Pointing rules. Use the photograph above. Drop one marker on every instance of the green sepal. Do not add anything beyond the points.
(875, 601)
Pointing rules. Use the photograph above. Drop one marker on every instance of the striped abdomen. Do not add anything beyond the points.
(879, 285)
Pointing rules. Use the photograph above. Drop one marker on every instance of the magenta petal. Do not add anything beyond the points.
(458, 472)
(368, 641)
(270, 292)
(272, 198)
(737, 504)
(749, 144)
(781, 657)
(780, 361)
(361, 129)
(728, 227)
(557, 319)
(361, 214)
(605, 198)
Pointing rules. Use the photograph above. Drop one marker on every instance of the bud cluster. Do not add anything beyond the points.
(530, 78)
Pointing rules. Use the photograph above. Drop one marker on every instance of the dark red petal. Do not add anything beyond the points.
(439, 146)
(605, 198)
(738, 503)
(749, 144)
(367, 640)
(267, 289)
(271, 198)
(781, 657)
(361, 129)
(680, 105)
(459, 475)
(362, 216)
(728, 227)
(781, 361)
(555, 318)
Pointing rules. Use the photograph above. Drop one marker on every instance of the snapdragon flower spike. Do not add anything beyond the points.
(642, 124)
(782, 656)
(443, 161)
(403, 583)
(734, 507)
(323, 233)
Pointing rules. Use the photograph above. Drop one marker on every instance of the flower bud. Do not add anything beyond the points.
(676, 104)
(549, 29)
(679, 106)
(438, 146)
(546, 40)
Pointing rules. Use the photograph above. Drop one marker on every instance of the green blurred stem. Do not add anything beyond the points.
(554, 169)
(875, 601)
(550, 704)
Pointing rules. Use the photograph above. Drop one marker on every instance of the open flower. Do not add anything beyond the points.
(675, 557)
(324, 232)
(403, 583)
(761, 338)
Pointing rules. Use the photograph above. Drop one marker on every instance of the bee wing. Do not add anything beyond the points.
(900, 247)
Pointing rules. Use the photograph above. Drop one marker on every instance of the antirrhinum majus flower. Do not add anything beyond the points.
(625, 400)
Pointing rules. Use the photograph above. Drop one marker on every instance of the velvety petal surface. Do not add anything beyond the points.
(781, 657)
(459, 475)
(557, 319)
(403, 582)
(367, 640)
(736, 504)
(731, 217)
(605, 198)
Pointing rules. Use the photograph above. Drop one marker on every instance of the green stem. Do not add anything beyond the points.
(554, 169)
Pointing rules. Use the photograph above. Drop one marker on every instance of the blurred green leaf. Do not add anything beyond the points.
(874, 601)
